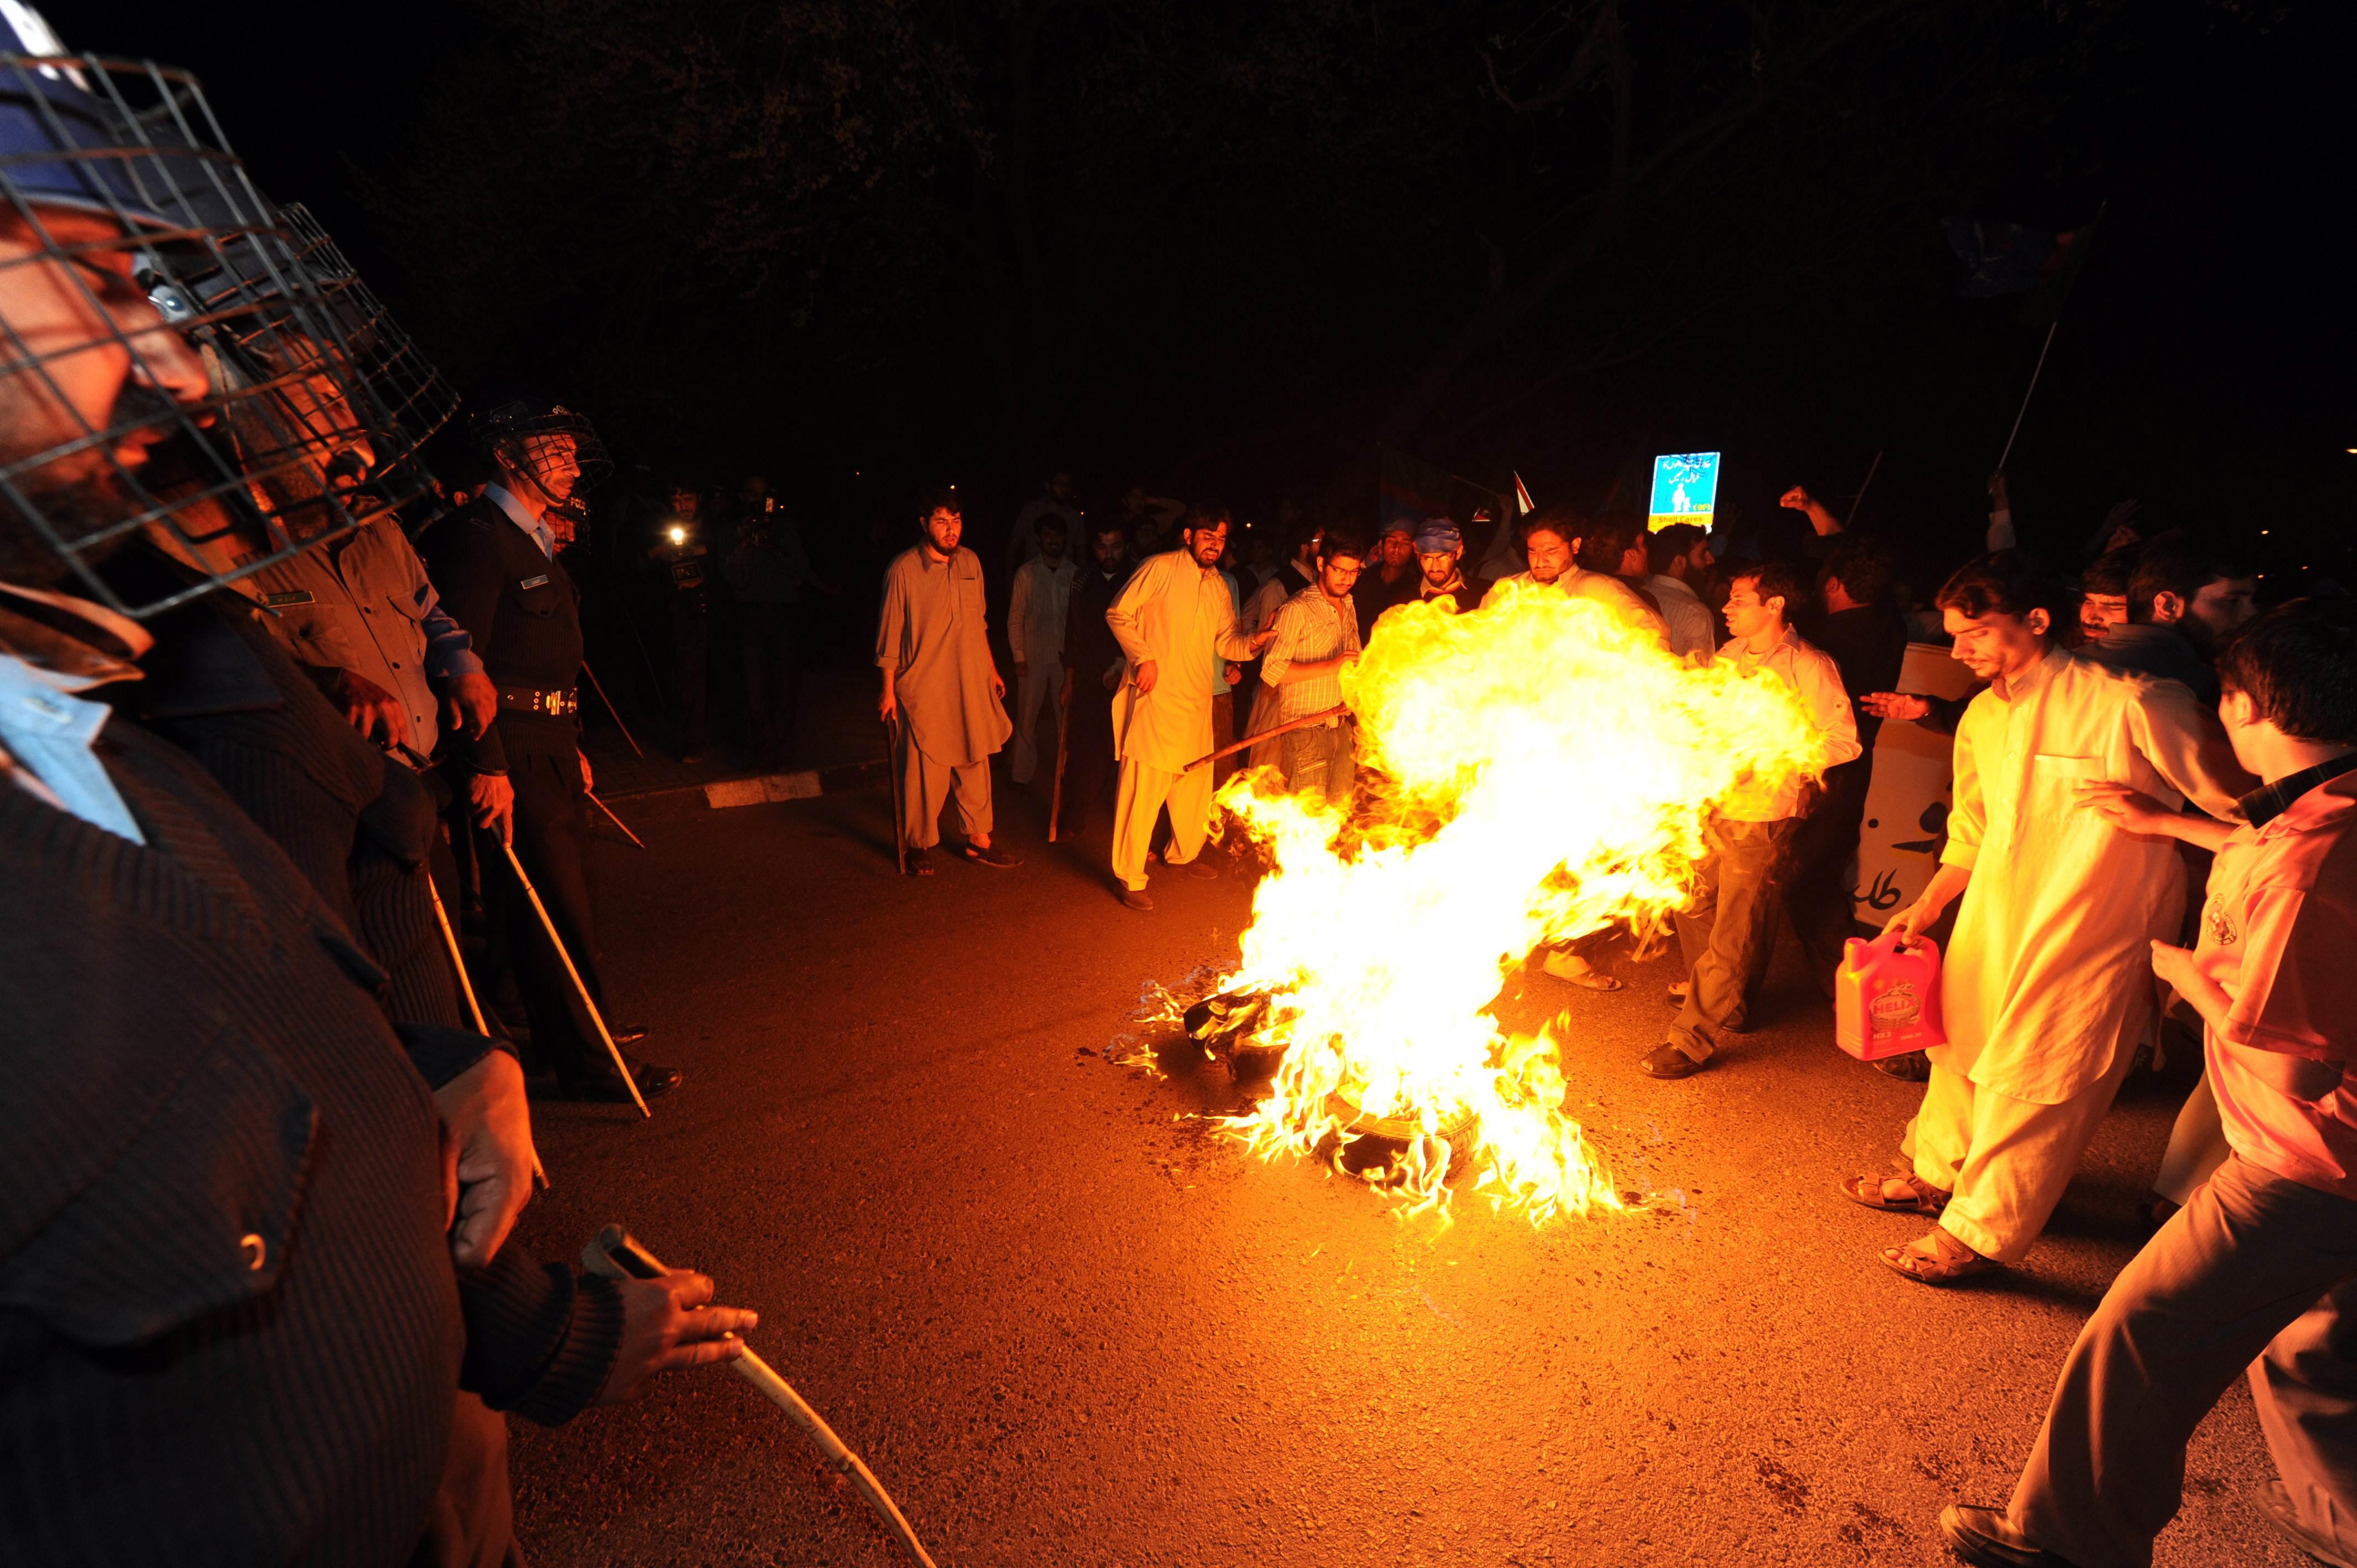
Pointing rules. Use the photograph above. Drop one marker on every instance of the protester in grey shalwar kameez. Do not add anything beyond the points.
(932, 647)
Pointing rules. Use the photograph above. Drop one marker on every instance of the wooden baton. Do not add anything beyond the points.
(467, 989)
(1304, 722)
(613, 819)
(892, 770)
(618, 1255)
(1063, 749)
(587, 1001)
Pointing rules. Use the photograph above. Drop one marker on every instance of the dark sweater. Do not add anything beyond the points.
(229, 1329)
(221, 688)
(1868, 645)
(1090, 647)
(355, 823)
(2162, 652)
(220, 1247)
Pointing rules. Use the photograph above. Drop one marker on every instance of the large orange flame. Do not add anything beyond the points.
(1545, 768)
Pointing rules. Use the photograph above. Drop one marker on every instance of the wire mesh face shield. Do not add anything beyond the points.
(415, 397)
(548, 444)
(168, 363)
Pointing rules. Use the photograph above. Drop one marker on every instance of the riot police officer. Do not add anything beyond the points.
(495, 564)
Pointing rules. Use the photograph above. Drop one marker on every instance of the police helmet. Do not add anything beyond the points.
(546, 442)
(167, 364)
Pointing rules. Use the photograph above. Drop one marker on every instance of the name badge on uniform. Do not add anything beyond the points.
(280, 601)
(541, 581)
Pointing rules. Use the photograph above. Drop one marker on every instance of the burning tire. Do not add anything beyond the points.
(1378, 1142)
(1225, 1025)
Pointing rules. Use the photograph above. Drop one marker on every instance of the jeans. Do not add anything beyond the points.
(1321, 757)
(2256, 1272)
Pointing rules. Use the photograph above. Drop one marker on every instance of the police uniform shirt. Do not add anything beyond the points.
(365, 603)
(499, 581)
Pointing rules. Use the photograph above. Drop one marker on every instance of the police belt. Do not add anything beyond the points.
(549, 705)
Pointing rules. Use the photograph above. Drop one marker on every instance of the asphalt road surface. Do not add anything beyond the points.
(1065, 1323)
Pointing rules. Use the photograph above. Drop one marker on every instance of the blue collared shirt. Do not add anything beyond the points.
(46, 736)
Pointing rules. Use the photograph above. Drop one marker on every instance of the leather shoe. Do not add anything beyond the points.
(1136, 898)
(1972, 1535)
(626, 1034)
(1665, 1060)
(2275, 1501)
(607, 1088)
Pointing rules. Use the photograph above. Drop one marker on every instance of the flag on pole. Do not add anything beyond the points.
(2000, 258)
(2012, 258)
(2044, 306)
(1410, 490)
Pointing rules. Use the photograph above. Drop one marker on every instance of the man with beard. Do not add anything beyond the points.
(525, 779)
(1316, 638)
(358, 613)
(209, 1085)
(1394, 577)
(1057, 501)
(1867, 642)
(943, 698)
(2104, 592)
(1440, 555)
(1551, 539)
(1091, 673)
(1171, 619)
(2185, 597)
(1678, 558)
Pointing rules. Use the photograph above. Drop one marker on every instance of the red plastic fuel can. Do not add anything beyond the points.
(1886, 997)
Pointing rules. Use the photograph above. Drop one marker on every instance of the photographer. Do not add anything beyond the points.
(685, 559)
(767, 571)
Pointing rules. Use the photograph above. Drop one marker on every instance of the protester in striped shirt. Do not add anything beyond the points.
(1316, 636)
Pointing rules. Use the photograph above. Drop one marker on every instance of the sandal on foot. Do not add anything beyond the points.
(989, 854)
(1874, 1192)
(1948, 1261)
(920, 863)
(1579, 971)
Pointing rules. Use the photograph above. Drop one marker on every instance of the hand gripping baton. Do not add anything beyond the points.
(618, 1255)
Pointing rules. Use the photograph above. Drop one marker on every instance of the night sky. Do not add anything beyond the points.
(1220, 248)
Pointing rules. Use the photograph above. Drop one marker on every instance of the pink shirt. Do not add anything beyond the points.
(2279, 935)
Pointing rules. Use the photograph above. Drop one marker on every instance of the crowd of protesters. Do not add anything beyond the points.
(2126, 726)
(341, 809)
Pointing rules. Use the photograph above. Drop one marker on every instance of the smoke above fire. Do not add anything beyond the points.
(1541, 768)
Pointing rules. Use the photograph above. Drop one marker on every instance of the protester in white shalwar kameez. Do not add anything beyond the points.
(2047, 981)
(1035, 632)
(1171, 617)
